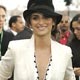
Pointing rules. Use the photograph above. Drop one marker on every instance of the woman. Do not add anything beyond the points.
(38, 58)
(75, 44)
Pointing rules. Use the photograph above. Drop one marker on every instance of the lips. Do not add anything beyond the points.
(41, 28)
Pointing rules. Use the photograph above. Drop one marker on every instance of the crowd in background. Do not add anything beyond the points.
(66, 32)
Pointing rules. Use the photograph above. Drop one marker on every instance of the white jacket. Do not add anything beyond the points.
(20, 58)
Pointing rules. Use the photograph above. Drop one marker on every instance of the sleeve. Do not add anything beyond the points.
(6, 65)
(69, 74)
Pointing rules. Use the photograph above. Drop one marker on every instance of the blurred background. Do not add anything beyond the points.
(16, 7)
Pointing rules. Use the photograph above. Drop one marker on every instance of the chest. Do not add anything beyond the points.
(42, 62)
(26, 66)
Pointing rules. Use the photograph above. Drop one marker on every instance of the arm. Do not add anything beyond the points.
(6, 65)
(69, 74)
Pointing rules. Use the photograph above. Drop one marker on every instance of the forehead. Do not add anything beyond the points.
(2, 11)
(76, 24)
(40, 15)
(19, 19)
(65, 18)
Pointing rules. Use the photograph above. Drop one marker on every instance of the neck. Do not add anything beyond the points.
(14, 29)
(42, 42)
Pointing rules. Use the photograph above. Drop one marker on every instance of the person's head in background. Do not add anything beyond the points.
(16, 23)
(75, 26)
(2, 16)
(42, 15)
(64, 24)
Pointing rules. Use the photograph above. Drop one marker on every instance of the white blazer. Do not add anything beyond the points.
(20, 58)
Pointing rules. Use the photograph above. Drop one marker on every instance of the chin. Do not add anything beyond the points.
(78, 38)
(41, 35)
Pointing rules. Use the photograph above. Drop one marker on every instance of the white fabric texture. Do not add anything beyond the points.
(20, 58)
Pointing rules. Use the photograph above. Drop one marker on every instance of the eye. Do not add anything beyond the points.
(35, 17)
(61, 21)
(3, 16)
(77, 28)
(66, 21)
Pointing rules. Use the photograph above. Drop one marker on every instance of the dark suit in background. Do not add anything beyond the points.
(25, 34)
(5, 41)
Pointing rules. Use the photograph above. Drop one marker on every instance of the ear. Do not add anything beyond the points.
(13, 24)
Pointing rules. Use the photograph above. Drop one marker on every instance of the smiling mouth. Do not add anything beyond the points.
(41, 28)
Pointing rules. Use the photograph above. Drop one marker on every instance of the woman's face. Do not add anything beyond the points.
(76, 27)
(41, 25)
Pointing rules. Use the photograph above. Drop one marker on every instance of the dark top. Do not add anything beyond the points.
(5, 41)
(25, 34)
(75, 46)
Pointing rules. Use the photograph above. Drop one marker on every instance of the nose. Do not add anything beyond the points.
(75, 31)
(63, 23)
(41, 21)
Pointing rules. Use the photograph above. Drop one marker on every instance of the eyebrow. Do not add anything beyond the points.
(35, 15)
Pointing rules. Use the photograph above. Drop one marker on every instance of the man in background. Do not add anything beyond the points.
(65, 35)
(5, 36)
(16, 24)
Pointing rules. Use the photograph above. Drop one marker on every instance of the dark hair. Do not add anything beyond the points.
(75, 18)
(3, 7)
(13, 19)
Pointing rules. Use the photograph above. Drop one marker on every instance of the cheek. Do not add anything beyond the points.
(3, 19)
(79, 32)
(50, 23)
(32, 23)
